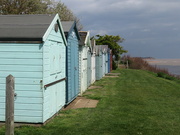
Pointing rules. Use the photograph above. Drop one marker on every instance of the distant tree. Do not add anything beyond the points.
(23, 6)
(65, 13)
(113, 42)
(38, 7)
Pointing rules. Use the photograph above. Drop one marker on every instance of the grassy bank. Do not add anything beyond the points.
(140, 63)
(136, 103)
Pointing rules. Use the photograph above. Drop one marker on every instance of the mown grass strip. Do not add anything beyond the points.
(135, 103)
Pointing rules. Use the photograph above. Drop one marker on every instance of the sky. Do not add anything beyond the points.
(151, 28)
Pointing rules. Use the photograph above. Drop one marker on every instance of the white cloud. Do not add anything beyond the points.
(155, 21)
(99, 32)
(145, 30)
(100, 6)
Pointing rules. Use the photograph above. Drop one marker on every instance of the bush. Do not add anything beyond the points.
(114, 65)
(140, 63)
(161, 74)
(165, 76)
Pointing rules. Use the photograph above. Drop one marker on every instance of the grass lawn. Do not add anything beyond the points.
(135, 103)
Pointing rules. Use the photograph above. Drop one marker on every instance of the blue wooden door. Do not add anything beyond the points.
(72, 86)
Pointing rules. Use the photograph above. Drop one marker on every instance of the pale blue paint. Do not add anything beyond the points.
(54, 59)
(33, 66)
(25, 90)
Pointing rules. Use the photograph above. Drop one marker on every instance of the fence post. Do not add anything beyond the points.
(9, 105)
(127, 64)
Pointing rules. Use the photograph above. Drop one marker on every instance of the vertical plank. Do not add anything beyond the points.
(10, 105)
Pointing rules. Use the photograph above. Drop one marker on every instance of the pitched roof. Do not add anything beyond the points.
(67, 25)
(104, 48)
(24, 27)
(101, 49)
(98, 49)
(93, 45)
(83, 37)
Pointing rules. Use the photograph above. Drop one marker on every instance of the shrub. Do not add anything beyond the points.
(114, 65)
(140, 63)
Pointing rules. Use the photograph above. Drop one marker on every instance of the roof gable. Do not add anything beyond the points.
(85, 39)
(104, 48)
(56, 20)
(93, 44)
(68, 27)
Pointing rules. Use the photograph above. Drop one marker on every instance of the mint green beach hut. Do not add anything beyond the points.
(99, 62)
(33, 50)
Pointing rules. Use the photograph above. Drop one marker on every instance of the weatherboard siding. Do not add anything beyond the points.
(25, 63)
(72, 71)
(54, 56)
(34, 66)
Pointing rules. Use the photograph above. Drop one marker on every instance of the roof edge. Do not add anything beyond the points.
(20, 39)
(56, 18)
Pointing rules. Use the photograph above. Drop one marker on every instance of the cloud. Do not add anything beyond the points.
(99, 32)
(145, 30)
(145, 24)
(104, 6)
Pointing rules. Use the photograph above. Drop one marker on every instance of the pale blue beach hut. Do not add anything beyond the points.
(33, 50)
(72, 60)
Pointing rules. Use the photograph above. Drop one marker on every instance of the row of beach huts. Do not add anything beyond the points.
(52, 63)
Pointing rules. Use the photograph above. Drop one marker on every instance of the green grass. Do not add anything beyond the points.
(136, 103)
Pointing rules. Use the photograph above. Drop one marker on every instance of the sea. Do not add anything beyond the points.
(172, 65)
